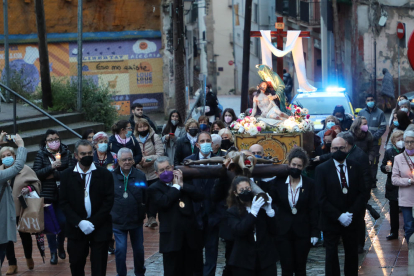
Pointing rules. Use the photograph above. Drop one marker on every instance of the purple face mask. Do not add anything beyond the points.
(409, 152)
(167, 176)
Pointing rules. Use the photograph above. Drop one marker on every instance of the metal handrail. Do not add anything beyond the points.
(35, 107)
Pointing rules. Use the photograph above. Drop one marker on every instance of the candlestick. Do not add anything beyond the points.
(389, 163)
(57, 156)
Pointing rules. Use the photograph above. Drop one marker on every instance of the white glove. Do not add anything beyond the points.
(345, 219)
(268, 207)
(86, 226)
(256, 205)
(314, 240)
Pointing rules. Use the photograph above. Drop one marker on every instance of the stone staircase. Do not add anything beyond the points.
(33, 129)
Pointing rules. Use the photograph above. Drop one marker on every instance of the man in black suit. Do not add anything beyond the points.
(180, 237)
(341, 195)
(86, 197)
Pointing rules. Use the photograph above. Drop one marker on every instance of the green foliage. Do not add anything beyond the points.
(19, 84)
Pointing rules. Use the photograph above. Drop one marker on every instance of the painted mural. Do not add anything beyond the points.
(132, 69)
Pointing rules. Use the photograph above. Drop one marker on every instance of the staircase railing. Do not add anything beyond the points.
(16, 95)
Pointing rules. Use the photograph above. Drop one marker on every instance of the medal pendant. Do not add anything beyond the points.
(294, 210)
(125, 195)
(345, 191)
(181, 204)
(86, 193)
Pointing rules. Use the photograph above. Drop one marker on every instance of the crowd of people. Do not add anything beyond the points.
(112, 187)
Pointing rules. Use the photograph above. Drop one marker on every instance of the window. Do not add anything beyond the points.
(255, 13)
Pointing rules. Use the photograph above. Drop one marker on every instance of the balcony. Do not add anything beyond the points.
(282, 7)
(293, 10)
(310, 13)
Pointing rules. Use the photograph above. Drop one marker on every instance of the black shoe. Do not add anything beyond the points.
(361, 250)
(53, 258)
(392, 236)
(62, 253)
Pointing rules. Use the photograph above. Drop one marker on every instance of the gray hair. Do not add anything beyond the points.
(409, 133)
(82, 143)
(216, 139)
(4, 149)
(124, 150)
(98, 136)
(347, 136)
(403, 102)
(159, 160)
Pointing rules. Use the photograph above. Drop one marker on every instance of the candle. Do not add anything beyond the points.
(412, 172)
(389, 163)
(57, 156)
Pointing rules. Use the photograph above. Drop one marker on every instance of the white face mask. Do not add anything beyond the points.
(400, 144)
(404, 109)
(228, 119)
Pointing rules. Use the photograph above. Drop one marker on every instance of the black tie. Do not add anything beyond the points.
(343, 178)
(83, 178)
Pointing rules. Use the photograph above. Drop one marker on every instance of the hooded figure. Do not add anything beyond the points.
(387, 84)
(345, 120)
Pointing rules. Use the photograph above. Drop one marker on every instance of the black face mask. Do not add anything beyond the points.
(215, 131)
(143, 133)
(193, 131)
(225, 144)
(86, 161)
(294, 172)
(328, 145)
(339, 155)
(246, 196)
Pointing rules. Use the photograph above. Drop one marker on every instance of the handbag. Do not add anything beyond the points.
(51, 222)
(32, 218)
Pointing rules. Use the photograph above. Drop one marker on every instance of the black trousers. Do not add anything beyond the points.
(394, 216)
(268, 271)
(293, 253)
(350, 242)
(151, 208)
(27, 247)
(361, 231)
(78, 251)
(227, 271)
(181, 262)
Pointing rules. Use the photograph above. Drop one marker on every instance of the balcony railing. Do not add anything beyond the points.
(293, 9)
(282, 7)
(310, 13)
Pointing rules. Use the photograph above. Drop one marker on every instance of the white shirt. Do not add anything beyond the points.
(201, 157)
(88, 176)
(338, 171)
(293, 195)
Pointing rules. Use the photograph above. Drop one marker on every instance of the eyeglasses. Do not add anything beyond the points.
(53, 140)
(338, 148)
(168, 168)
(409, 142)
(127, 160)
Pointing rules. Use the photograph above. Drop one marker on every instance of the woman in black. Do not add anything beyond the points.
(122, 138)
(186, 145)
(48, 167)
(253, 225)
(296, 215)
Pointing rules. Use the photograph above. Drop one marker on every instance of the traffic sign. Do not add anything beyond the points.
(400, 30)
(231, 62)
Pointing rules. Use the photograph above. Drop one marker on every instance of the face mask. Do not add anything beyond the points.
(86, 161)
(8, 161)
(396, 123)
(409, 152)
(339, 155)
(55, 145)
(215, 131)
(258, 156)
(143, 133)
(193, 131)
(167, 176)
(203, 127)
(174, 122)
(129, 134)
(404, 109)
(225, 144)
(401, 102)
(102, 147)
(328, 145)
(228, 119)
(294, 172)
(205, 148)
(340, 119)
(364, 128)
(329, 125)
(370, 104)
(400, 144)
(246, 196)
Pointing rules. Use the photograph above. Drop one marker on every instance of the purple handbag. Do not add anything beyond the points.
(51, 222)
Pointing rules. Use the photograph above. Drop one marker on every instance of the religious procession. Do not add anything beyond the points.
(154, 146)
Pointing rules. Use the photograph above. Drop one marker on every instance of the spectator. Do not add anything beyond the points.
(152, 148)
(377, 125)
(400, 100)
(401, 123)
(387, 84)
(216, 126)
(88, 135)
(257, 150)
(391, 191)
(7, 207)
(23, 183)
(363, 137)
(228, 116)
(327, 142)
(123, 138)
(216, 145)
(345, 120)
(102, 156)
(171, 132)
(212, 109)
(186, 145)
(49, 169)
(403, 178)
(204, 123)
(328, 123)
(128, 212)
(227, 138)
(405, 105)
(137, 110)
(337, 129)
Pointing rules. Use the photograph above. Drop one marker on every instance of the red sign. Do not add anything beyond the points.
(410, 52)
(231, 62)
(400, 30)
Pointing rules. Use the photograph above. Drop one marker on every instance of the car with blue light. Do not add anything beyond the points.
(322, 103)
